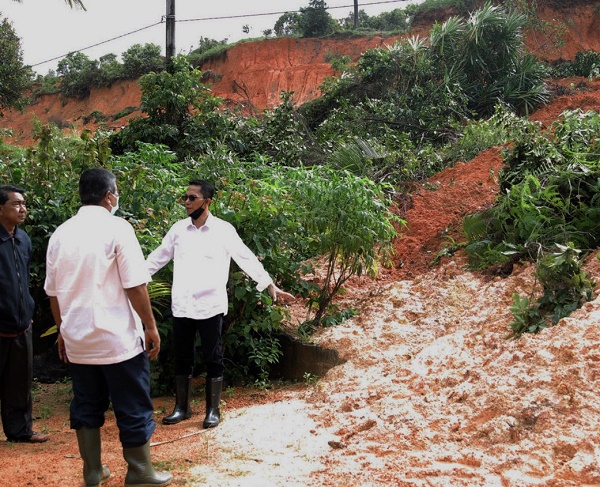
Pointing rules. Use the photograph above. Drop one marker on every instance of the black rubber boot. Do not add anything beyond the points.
(140, 472)
(213, 399)
(183, 390)
(90, 447)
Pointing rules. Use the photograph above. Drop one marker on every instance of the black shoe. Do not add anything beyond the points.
(34, 438)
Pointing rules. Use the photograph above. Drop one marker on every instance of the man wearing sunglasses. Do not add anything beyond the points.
(202, 247)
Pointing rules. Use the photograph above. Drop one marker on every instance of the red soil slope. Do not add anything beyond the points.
(255, 73)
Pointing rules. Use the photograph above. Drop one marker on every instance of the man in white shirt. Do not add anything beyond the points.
(202, 247)
(96, 279)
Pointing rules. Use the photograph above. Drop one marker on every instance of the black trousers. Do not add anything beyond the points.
(184, 342)
(16, 372)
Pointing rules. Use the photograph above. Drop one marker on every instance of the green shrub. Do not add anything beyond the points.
(123, 113)
(208, 49)
(97, 116)
(110, 70)
(181, 113)
(141, 59)
(587, 64)
(565, 288)
(79, 74)
(48, 84)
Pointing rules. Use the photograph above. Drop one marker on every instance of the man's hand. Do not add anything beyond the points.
(62, 351)
(152, 343)
(277, 293)
(138, 296)
(55, 309)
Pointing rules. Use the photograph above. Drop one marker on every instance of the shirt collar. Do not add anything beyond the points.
(4, 235)
(100, 210)
(209, 219)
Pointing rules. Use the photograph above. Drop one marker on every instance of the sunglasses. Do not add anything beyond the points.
(191, 197)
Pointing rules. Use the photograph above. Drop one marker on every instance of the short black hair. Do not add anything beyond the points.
(206, 188)
(9, 188)
(94, 184)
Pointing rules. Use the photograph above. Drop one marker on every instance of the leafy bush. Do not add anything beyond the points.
(281, 135)
(348, 222)
(565, 288)
(479, 135)
(181, 112)
(287, 25)
(427, 90)
(110, 70)
(79, 74)
(123, 113)
(486, 56)
(47, 84)
(97, 116)
(587, 64)
(141, 59)
(397, 20)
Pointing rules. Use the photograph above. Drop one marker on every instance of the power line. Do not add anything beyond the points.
(100, 43)
(162, 20)
(242, 16)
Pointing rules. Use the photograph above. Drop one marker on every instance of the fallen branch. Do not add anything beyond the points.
(180, 438)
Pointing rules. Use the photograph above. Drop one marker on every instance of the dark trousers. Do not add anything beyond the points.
(127, 386)
(184, 342)
(16, 372)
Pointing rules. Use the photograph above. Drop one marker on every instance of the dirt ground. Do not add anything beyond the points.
(431, 393)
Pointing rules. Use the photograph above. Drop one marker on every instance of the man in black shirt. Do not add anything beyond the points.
(16, 316)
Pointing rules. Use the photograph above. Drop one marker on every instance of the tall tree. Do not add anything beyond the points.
(315, 21)
(14, 76)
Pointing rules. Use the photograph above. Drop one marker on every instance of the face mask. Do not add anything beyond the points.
(116, 207)
(196, 214)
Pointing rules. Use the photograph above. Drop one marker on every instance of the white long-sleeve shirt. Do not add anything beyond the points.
(201, 259)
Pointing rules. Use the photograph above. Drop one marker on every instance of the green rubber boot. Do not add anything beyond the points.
(90, 447)
(141, 473)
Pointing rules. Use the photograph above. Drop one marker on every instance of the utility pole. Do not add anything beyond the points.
(356, 14)
(170, 41)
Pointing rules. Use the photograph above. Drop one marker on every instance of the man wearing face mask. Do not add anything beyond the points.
(96, 279)
(202, 247)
